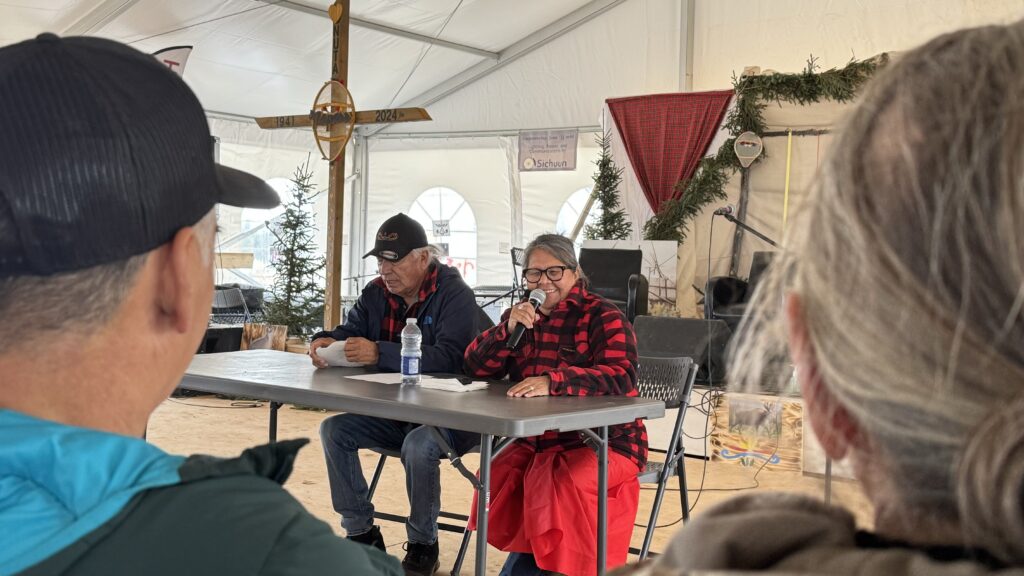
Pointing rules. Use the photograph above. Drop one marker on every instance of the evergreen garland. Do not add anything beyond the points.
(297, 296)
(752, 93)
(612, 223)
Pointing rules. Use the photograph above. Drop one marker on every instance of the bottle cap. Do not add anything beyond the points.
(410, 320)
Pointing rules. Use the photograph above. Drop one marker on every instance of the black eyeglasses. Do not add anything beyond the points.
(554, 273)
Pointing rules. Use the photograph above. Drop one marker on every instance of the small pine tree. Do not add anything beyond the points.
(612, 223)
(297, 296)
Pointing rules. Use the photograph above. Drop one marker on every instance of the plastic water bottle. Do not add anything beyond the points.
(411, 353)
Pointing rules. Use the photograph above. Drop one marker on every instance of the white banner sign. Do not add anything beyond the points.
(545, 150)
(174, 58)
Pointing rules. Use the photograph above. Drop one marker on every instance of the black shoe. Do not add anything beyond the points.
(371, 538)
(420, 559)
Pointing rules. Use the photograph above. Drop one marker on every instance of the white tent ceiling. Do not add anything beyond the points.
(259, 58)
(485, 69)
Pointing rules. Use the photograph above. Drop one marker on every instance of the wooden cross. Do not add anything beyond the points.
(340, 125)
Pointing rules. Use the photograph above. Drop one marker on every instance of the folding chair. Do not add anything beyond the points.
(229, 307)
(671, 381)
(518, 261)
(515, 293)
(456, 462)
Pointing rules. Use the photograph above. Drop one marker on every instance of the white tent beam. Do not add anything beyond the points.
(98, 17)
(371, 25)
(534, 41)
(478, 133)
(686, 37)
(236, 117)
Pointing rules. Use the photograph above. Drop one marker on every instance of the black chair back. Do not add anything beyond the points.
(609, 270)
(671, 381)
(665, 379)
(229, 307)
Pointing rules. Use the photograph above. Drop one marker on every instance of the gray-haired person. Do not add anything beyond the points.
(899, 297)
(107, 226)
(412, 283)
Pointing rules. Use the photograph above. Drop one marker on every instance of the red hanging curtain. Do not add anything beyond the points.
(667, 135)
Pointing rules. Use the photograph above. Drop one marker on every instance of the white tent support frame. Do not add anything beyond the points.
(104, 14)
(371, 25)
(358, 215)
(479, 133)
(514, 52)
(686, 46)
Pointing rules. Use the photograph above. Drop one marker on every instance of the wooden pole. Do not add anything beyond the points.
(339, 12)
(737, 238)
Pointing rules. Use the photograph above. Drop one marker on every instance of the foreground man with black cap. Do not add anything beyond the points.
(107, 226)
(411, 283)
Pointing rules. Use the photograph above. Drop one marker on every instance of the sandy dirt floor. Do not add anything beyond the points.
(209, 425)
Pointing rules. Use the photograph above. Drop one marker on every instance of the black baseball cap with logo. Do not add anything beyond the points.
(105, 154)
(396, 237)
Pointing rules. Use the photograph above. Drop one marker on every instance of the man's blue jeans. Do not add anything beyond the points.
(343, 435)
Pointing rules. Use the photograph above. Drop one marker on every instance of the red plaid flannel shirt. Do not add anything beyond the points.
(587, 347)
(396, 310)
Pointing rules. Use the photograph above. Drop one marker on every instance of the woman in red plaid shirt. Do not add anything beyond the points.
(576, 344)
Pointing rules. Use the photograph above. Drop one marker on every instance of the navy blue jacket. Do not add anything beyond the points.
(448, 320)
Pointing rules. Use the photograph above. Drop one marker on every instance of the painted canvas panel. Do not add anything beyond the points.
(751, 430)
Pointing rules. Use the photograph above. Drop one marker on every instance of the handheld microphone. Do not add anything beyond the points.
(726, 210)
(537, 298)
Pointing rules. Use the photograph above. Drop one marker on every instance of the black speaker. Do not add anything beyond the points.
(703, 340)
(221, 339)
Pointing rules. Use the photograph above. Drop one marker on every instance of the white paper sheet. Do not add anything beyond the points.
(335, 355)
(447, 384)
(380, 378)
(450, 384)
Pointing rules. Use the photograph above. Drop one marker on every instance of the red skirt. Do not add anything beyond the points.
(545, 504)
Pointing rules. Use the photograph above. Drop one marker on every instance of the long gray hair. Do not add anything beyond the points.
(558, 246)
(908, 260)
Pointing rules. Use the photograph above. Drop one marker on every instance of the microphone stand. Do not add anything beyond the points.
(741, 224)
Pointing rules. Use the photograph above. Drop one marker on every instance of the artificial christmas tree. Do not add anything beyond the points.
(297, 296)
(612, 223)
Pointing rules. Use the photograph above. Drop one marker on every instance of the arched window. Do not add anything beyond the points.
(451, 225)
(570, 212)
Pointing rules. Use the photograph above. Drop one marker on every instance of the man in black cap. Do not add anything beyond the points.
(107, 227)
(412, 283)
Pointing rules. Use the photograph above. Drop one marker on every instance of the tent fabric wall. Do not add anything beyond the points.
(545, 192)
(483, 172)
(476, 168)
(730, 35)
(272, 154)
(767, 185)
(632, 49)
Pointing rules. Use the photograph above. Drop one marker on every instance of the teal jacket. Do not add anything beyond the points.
(77, 501)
